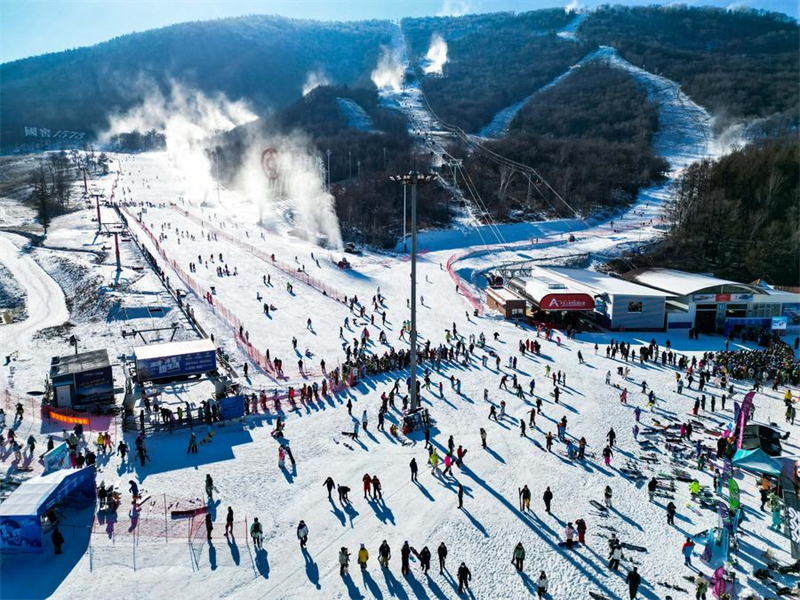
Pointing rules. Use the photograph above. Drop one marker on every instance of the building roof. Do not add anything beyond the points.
(78, 363)
(173, 349)
(504, 294)
(681, 283)
(35, 495)
(599, 283)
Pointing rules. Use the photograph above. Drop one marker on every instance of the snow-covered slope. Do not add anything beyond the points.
(356, 117)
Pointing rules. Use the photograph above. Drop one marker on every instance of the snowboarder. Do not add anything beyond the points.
(302, 533)
(614, 556)
(652, 486)
(414, 469)
(671, 509)
(607, 496)
(525, 498)
(257, 533)
(210, 488)
(688, 547)
(633, 580)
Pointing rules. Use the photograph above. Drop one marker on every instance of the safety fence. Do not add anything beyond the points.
(218, 308)
(462, 287)
(30, 406)
(293, 272)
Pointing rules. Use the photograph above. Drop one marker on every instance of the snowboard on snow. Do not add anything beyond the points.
(633, 547)
(598, 506)
(564, 544)
(348, 446)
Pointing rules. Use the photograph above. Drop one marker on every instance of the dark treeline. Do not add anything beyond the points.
(737, 216)
(136, 141)
(493, 61)
(369, 205)
(736, 63)
(589, 137)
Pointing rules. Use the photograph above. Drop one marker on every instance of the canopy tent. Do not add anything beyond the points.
(21, 514)
(756, 460)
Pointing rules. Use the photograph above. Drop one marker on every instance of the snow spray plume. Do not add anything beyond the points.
(294, 197)
(186, 118)
(454, 8)
(573, 6)
(436, 57)
(389, 72)
(314, 79)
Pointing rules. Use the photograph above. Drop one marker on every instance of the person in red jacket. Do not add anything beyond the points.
(367, 484)
(580, 524)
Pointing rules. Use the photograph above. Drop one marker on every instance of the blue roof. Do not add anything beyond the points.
(36, 495)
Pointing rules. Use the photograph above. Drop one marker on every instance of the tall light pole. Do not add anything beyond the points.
(328, 152)
(405, 220)
(413, 179)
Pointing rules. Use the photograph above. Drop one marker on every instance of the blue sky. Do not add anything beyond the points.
(31, 27)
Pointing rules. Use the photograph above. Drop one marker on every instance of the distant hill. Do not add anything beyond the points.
(264, 60)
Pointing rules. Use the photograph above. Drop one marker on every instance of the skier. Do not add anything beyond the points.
(688, 547)
(405, 553)
(581, 525)
(518, 557)
(209, 526)
(442, 552)
(330, 485)
(210, 488)
(607, 496)
(460, 496)
(363, 557)
(483, 437)
(229, 522)
(367, 484)
(257, 533)
(344, 561)
(614, 556)
(633, 580)
(541, 585)
(547, 497)
(384, 554)
(607, 454)
(525, 498)
(464, 577)
(569, 532)
(302, 533)
(58, 540)
(425, 560)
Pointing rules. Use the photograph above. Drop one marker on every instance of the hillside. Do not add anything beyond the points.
(738, 64)
(261, 59)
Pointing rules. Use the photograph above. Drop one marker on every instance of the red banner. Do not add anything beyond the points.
(567, 302)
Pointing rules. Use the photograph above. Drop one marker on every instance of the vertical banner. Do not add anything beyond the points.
(733, 495)
(724, 516)
(744, 414)
(791, 504)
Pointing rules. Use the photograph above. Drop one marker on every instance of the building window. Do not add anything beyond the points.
(634, 307)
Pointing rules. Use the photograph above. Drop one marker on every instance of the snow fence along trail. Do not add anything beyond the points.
(47, 306)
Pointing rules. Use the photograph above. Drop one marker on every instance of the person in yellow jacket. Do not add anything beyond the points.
(363, 557)
(434, 461)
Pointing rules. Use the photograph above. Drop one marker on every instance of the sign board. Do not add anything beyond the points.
(57, 458)
(192, 363)
(722, 297)
(94, 385)
(733, 494)
(20, 534)
(780, 323)
(566, 302)
(232, 407)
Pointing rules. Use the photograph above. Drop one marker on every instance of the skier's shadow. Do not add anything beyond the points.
(417, 589)
(262, 564)
(371, 585)
(287, 474)
(394, 587)
(336, 512)
(424, 491)
(478, 525)
(312, 570)
(234, 548)
(352, 590)
(212, 555)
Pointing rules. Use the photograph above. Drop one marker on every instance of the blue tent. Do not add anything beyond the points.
(21, 514)
(757, 461)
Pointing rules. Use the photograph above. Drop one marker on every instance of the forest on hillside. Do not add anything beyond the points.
(589, 137)
(493, 61)
(737, 217)
(736, 63)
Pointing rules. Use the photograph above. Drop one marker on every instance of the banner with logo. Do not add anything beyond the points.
(733, 495)
(57, 458)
